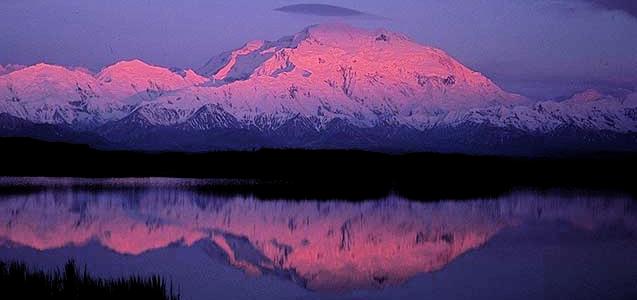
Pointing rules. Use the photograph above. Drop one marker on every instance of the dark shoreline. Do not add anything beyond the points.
(20, 281)
(327, 174)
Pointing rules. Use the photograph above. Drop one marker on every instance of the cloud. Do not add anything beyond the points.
(323, 10)
(627, 6)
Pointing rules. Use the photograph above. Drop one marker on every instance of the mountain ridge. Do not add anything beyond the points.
(368, 88)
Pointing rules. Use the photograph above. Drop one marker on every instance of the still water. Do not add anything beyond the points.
(523, 245)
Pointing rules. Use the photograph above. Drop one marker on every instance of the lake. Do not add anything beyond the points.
(526, 244)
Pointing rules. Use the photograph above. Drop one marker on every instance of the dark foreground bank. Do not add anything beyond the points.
(21, 282)
(300, 174)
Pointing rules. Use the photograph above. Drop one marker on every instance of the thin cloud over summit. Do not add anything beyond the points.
(323, 10)
(627, 6)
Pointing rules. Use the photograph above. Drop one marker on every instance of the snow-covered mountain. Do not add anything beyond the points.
(326, 86)
(57, 95)
(10, 68)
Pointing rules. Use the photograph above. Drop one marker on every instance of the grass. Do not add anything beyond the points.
(17, 281)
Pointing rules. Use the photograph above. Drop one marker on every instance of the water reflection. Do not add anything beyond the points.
(323, 246)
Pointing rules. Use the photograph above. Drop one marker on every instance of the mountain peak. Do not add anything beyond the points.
(345, 61)
(342, 32)
(44, 67)
(133, 62)
(134, 65)
(42, 73)
(6, 69)
(135, 76)
(334, 78)
(588, 95)
(241, 63)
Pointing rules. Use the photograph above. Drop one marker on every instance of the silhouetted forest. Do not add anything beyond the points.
(343, 174)
(20, 282)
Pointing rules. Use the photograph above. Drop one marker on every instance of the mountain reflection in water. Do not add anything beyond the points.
(323, 246)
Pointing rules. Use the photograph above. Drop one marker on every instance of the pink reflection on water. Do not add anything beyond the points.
(327, 245)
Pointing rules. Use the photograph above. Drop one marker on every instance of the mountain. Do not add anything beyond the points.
(10, 68)
(15, 127)
(57, 95)
(328, 86)
(338, 72)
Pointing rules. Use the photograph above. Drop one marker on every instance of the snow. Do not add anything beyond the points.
(10, 68)
(45, 93)
(325, 72)
(337, 71)
(128, 78)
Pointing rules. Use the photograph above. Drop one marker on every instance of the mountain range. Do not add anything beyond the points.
(328, 86)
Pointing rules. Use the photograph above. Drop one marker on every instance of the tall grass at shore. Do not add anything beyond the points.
(17, 281)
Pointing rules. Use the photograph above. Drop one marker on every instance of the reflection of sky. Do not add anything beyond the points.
(324, 246)
(544, 47)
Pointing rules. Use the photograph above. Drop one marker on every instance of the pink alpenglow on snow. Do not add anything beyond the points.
(329, 246)
(308, 83)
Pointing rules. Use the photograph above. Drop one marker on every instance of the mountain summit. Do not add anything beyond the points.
(379, 72)
(327, 86)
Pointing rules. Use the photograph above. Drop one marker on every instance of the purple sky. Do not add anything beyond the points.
(542, 48)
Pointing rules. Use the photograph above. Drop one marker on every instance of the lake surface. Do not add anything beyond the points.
(523, 245)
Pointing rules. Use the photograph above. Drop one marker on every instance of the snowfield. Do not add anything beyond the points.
(323, 77)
